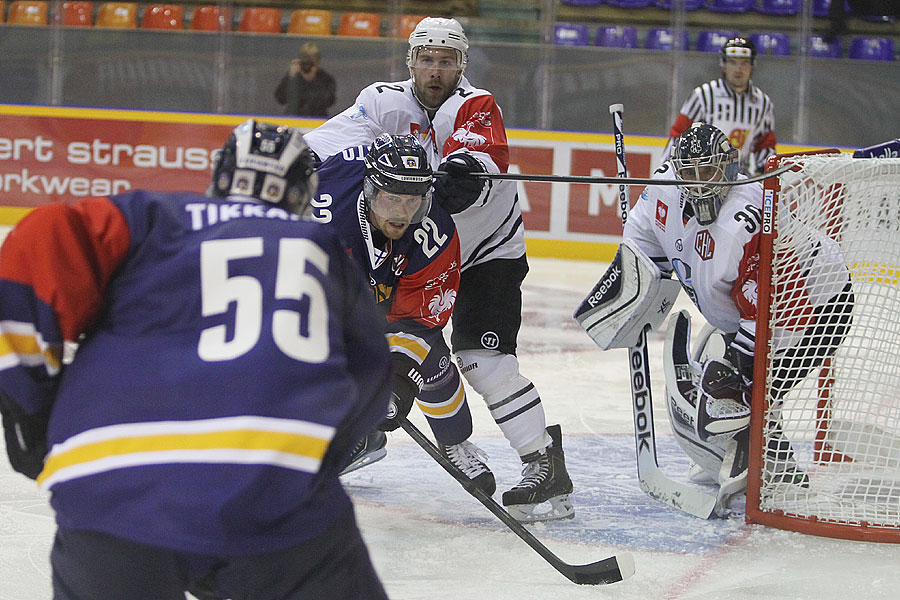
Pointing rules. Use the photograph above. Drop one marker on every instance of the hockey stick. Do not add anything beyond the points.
(652, 480)
(609, 570)
(621, 180)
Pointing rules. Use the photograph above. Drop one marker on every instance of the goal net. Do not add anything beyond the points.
(825, 429)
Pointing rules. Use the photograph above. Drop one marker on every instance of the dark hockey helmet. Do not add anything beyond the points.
(703, 153)
(268, 162)
(738, 47)
(398, 165)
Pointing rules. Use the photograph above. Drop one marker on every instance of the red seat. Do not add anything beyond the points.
(360, 25)
(403, 25)
(310, 22)
(257, 19)
(117, 15)
(206, 18)
(77, 14)
(163, 16)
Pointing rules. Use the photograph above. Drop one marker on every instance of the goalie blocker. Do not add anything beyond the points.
(631, 295)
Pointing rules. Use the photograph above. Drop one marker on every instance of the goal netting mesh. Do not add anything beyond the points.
(826, 450)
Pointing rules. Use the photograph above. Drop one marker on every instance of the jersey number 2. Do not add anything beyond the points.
(307, 344)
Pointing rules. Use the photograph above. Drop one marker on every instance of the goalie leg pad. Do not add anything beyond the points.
(631, 295)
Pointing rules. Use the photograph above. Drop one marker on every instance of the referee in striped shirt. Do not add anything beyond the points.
(735, 106)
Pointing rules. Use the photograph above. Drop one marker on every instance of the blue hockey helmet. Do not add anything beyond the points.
(267, 162)
(398, 165)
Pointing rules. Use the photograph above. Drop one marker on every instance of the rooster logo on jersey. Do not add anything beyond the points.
(465, 136)
(441, 301)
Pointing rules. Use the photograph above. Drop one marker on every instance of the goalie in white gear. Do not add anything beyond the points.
(461, 128)
(708, 238)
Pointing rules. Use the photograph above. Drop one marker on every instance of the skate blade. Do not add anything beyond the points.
(554, 509)
(364, 461)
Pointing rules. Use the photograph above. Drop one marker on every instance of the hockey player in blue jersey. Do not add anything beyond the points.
(378, 198)
(230, 357)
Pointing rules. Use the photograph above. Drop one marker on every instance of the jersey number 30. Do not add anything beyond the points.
(307, 344)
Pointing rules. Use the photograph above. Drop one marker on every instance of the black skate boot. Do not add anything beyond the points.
(779, 465)
(544, 479)
(370, 449)
(471, 460)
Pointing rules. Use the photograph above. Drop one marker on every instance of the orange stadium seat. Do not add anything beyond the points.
(206, 18)
(257, 19)
(28, 12)
(77, 14)
(2, 11)
(360, 25)
(163, 16)
(403, 25)
(117, 15)
(310, 22)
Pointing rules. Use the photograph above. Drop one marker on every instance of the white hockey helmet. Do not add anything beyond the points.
(438, 32)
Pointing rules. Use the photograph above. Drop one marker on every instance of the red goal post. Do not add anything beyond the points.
(830, 220)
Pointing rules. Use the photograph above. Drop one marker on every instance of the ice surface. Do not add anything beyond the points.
(430, 540)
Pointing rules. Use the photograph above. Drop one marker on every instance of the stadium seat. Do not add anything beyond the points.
(778, 7)
(310, 22)
(570, 34)
(821, 48)
(403, 25)
(661, 38)
(616, 37)
(77, 14)
(629, 3)
(28, 12)
(258, 19)
(871, 48)
(117, 15)
(360, 24)
(712, 40)
(582, 2)
(163, 16)
(821, 7)
(688, 4)
(772, 44)
(729, 6)
(206, 18)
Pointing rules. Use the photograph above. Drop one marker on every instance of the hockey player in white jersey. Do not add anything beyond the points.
(708, 237)
(734, 105)
(461, 127)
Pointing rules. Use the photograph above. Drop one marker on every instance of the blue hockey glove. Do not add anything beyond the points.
(26, 437)
(406, 384)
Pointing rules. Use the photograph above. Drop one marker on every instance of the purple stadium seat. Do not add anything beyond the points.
(778, 7)
(688, 4)
(712, 40)
(582, 2)
(661, 38)
(630, 3)
(773, 44)
(570, 34)
(729, 6)
(616, 37)
(820, 48)
(871, 48)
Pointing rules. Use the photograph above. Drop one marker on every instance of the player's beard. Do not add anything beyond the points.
(432, 92)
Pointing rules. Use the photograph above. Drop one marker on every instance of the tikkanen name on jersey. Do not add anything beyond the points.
(205, 214)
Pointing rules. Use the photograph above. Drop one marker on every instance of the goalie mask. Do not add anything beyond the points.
(266, 162)
(397, 185)
(703, 153)
(436, 44)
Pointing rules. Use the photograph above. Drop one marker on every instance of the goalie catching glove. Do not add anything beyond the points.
(406, 383)
(458, 189)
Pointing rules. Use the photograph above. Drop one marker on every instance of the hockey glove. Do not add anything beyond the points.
(26, 437)
(721, 380)
(458, 190)
(406, 384)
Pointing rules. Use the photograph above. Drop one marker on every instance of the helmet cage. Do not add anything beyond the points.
(703, 153)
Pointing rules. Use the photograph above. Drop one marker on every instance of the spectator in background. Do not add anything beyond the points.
(306, 89)
(735, 106)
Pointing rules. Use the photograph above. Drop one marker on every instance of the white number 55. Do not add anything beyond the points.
(218, 291)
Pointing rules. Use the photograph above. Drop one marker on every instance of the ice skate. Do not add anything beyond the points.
(470, 459)
(780, 467)
(369, 450)
(544, 480)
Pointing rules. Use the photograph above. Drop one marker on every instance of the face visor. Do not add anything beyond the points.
(407, 204)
